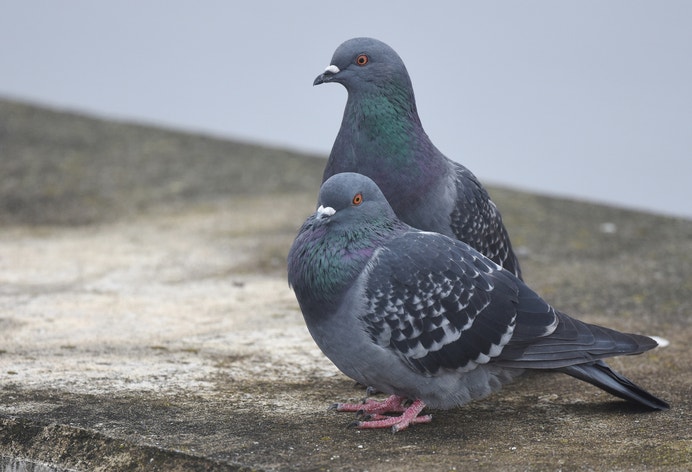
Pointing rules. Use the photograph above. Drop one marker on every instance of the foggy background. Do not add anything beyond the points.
(588, 99)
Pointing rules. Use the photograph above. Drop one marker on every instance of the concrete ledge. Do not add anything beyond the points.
(164, 337)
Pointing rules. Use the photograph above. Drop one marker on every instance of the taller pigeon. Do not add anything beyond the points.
(381, 136)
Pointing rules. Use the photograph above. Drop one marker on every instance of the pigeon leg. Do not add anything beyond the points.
(393, 403)
(397, 423)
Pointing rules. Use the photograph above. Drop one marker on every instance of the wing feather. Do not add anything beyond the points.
(438, 305)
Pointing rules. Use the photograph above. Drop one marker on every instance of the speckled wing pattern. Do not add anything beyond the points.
(438, 305)
(477, 221)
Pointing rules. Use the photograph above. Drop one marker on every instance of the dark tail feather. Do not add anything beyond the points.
(598, 373)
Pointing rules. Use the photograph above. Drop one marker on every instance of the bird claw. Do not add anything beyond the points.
(393, 403)
(395, 423)
(371, 414)
(402, 425)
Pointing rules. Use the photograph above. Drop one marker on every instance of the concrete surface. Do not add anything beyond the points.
(149, 326)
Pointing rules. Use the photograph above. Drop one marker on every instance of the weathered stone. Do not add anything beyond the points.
(154, 329)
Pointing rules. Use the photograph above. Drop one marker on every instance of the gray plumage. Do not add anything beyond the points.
(381, 136)
(426, 317)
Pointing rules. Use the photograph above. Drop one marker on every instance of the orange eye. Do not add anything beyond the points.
(362, 59)
(358, 199)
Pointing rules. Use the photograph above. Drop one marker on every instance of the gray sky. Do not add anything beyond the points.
(587, 98)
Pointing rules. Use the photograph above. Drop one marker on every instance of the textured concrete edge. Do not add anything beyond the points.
(72, 448)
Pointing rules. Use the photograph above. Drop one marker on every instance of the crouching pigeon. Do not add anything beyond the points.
(427, 318)
(381, 136)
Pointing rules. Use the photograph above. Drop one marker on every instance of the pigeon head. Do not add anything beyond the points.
(353, 199)
(362, 63)
(335, 243)
(381, 135)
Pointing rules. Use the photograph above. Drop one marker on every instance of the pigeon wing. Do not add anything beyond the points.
(439, 304)
(476, 220)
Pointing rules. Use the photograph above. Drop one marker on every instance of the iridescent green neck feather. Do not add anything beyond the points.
(325, 260)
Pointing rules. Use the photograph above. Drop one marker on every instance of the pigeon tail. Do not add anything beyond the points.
(598, 373)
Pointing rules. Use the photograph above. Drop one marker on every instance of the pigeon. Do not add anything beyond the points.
(381, 136)
(426, 318)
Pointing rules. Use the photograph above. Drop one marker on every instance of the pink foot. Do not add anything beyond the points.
(393, 403)
(373, 412)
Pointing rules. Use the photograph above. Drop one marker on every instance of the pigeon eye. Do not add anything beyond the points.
(362, 59)
(358, 199)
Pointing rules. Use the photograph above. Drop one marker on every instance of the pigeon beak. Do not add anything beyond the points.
(327, 75)
(325, 212)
